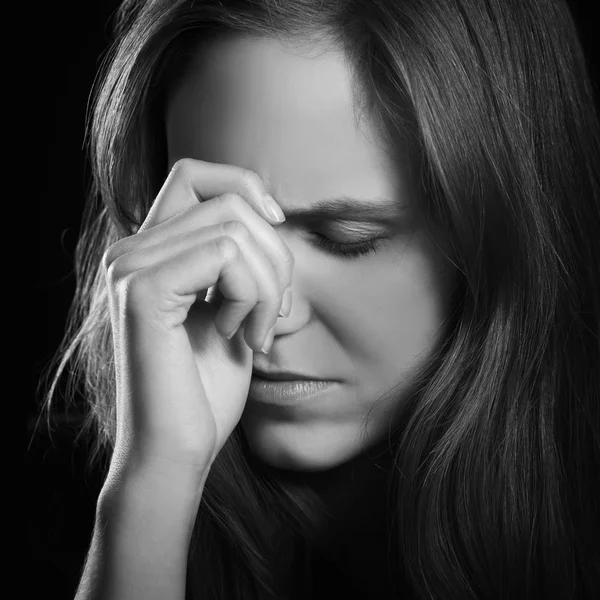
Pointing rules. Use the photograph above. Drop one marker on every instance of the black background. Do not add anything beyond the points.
(60, 502)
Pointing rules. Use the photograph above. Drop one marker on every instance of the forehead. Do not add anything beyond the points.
(287, 114)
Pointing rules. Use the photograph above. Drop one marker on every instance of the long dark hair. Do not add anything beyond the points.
(496, 468)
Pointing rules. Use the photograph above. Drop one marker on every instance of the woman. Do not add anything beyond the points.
(397, 198)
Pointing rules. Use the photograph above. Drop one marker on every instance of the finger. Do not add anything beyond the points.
(265, 313)
(161, 288)
(224, 208)
(191, 181)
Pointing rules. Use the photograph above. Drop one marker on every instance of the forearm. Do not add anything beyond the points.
(141, 538)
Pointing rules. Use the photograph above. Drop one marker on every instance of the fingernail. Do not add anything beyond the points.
(286, 304)
(268, 341)
(273, 209)
(233, 332)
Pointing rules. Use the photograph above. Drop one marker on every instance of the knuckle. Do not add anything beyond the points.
(273, 295)
(227, 247)
(251, 179)
(111, 254)
(288, 266)
(274, 302)
(182, 165)
(288, 257)
(235, 229)
(107, 260)
(232, 199)
(133, 289)
(115, 272)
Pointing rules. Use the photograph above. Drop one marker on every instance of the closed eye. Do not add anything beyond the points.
(353, 250)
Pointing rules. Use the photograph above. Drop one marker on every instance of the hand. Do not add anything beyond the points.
(181, 384)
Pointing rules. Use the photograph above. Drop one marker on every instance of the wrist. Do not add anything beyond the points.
(155, 485)
(144, 523)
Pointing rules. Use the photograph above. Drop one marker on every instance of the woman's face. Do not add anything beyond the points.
(368, 322)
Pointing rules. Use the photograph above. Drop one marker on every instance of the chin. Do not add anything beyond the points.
(302, 446)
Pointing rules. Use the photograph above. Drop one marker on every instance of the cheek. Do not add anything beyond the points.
(393, 308)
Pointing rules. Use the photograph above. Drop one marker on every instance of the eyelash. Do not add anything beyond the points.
(347, 250)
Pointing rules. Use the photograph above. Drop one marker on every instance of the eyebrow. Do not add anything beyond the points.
(345, 207)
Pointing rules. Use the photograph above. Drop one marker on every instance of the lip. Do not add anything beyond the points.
(285, 392)
(284, 376)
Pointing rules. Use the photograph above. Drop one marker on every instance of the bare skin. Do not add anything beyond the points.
(250, 119)
(370, 321)
(181, 382)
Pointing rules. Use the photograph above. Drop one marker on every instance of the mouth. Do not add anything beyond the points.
(284, 376)
(287, 389)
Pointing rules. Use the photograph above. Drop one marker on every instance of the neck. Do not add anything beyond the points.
(355, 537)
(354, 533)
(356, 493)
